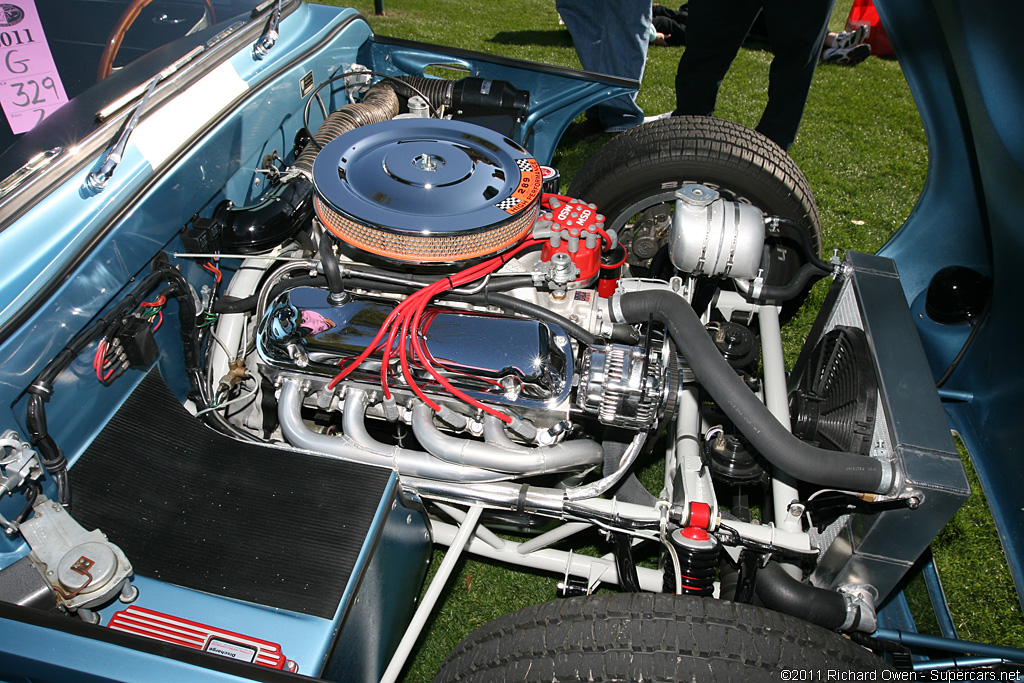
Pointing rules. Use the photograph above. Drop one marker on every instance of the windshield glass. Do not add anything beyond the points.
(53, 50)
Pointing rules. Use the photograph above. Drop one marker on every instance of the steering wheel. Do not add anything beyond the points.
(128, 17)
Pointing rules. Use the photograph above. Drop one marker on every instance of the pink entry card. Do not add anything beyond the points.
(30, 87)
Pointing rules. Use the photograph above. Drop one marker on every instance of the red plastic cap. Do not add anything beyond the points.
(695, 534)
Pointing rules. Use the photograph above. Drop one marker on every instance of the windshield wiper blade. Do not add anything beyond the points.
(98, 179)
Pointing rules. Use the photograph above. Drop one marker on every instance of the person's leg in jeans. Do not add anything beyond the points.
(796, 30)
(714, 32)
(611, 37)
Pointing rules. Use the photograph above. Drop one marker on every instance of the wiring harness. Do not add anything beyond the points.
(104, 331)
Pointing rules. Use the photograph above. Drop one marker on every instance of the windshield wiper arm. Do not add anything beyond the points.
(269, 37)
(98, 179)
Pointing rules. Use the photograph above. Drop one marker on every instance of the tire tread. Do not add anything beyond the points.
(649, 637)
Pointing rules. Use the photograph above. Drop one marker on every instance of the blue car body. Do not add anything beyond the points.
(78, 249)
(72, 250)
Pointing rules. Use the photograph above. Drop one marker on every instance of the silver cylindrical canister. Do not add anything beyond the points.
(713, 236)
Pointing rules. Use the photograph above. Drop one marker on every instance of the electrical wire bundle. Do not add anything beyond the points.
(405, 326)
(111, 360)
(105, 330)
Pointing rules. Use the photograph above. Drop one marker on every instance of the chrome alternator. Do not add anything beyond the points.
(628, 386)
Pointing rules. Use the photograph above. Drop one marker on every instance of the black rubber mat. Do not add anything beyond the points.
(192, 507)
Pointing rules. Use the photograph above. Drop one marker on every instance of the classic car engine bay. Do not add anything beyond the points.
(413, 334)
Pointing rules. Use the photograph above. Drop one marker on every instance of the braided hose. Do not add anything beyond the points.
(439, 93)
(379, 104)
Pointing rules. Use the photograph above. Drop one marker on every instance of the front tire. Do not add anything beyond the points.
(633, 178)
(648, 637)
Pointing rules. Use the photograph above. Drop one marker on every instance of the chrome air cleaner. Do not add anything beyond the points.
(426, 190)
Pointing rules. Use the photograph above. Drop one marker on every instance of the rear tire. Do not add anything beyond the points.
(649, 637)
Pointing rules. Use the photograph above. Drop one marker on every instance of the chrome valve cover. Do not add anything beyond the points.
(496, 358)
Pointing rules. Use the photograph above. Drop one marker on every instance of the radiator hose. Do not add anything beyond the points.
(765, 433)
(781, 592)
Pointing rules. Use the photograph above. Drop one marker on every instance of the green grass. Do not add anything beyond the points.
(977, 584)
(863, 150)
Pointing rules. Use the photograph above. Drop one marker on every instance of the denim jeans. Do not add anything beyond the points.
(611, 38)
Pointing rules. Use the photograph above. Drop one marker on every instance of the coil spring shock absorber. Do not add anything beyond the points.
(698, 558)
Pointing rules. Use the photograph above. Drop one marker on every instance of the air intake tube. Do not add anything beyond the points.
(277, 215)
(793, 456)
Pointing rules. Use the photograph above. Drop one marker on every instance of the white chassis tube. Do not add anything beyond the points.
(594, 569)
(459, 538)
(776, 399)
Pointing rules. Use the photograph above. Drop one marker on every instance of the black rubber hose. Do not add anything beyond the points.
(413, 281)
(771, 439)
(276, 216)
(798, 231)
(306, 242)
(510, 303)
(50, 454)
(967, 345)
(489, 297)
(492, 298)
(792, 289)
(249, 303)
(781, 592)
(332, 269)
(625, 564)
(387, 285)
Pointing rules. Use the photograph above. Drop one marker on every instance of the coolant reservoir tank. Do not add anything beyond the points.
(711, 235)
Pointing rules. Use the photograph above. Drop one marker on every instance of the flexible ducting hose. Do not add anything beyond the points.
(285, 208)
(766, 434)
(469, 95)
(379, 104)
(437, 92)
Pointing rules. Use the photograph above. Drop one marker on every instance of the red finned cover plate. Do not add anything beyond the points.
(171, 629)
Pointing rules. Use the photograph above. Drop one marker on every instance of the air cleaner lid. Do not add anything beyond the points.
(426, 177)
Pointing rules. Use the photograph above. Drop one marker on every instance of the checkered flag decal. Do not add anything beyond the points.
(507, 204)
(525, 165)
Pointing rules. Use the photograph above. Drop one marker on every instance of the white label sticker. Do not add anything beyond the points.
(226, 648)
(30, 87)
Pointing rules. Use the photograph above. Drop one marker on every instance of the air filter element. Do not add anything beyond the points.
(426, 190)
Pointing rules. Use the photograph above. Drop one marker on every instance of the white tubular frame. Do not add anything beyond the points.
(776, 399)
(595, 570)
